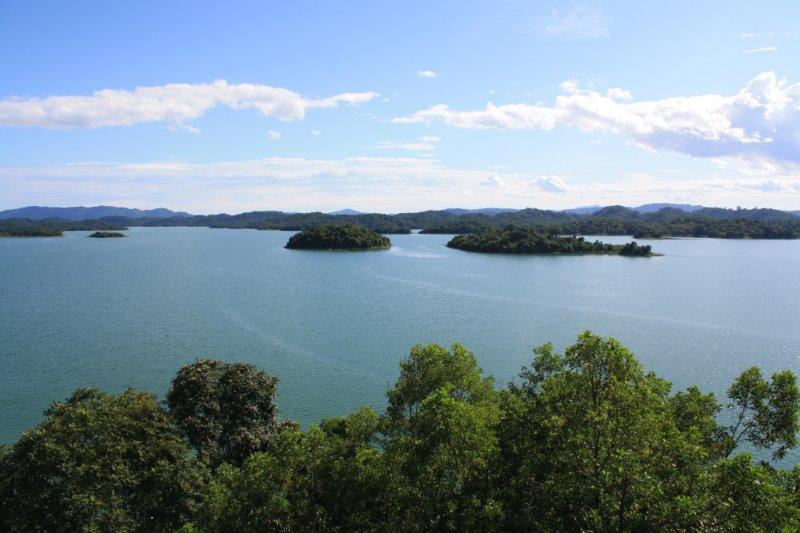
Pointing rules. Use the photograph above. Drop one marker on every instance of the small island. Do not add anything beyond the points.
(338, 237)
(517, 240)
(106, 235)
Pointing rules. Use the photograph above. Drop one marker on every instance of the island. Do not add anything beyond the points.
(338, 237)
(106, 235)
(30, 232)
(518, 240)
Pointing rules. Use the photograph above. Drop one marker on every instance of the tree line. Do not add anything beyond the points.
(584, 440)
(612, 220)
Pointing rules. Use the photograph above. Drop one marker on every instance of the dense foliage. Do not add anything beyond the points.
(516, 240)
(225, 410)
(582, 441)
(612, 220)
(99, 463)
(106, 235)
(616, 220)
(338, 237)
(20, 227)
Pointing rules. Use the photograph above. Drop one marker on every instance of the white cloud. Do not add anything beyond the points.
(579, 21)
(315, 133)
(759, 123)
(494, 180)
(273, 135)
(426, 143)
(615, 93)
(550, 183)
(569, 87)
(175, 103)
(762, 50)
(388, 184)
(410, 146)
(430, 74)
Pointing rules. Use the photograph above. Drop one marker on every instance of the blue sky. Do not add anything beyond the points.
(234, 106)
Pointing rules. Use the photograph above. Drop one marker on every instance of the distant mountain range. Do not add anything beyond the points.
(646, 208)
(481, 211)
(346, 212)
(35, 212)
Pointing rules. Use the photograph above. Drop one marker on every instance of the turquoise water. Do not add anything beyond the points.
(119, 313)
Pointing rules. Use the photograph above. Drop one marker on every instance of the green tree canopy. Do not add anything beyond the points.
(98, 462)
(338, 237)
(226, 410)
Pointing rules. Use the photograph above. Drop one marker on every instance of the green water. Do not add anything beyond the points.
(119, 313)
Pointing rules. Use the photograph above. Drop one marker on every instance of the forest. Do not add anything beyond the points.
(584, 440)
(611, 220)
(20, 227)
(517, 240)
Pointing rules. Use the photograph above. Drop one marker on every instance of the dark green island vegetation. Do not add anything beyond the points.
(584, 440)
(22, 227)
(338, 237)
(106, 235)
(518, 240)
(713, 222)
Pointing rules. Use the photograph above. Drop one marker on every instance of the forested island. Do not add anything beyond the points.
(517, 240)
(106, 235)
(338, 237)
(22, 227)
(584, 440)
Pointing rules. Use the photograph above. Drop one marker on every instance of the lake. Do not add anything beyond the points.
(117, 313)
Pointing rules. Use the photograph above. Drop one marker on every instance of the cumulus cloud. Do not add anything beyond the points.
(175, 103)
(579, 21)
(760, 122)
(762, 50)
(273, 135)
(550, 183)
(430, 74)
(315, 133)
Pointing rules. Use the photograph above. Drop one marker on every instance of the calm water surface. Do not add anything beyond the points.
(119, 313)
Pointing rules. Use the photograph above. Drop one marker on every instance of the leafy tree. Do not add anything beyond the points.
(98, 462)
(429, 368)
(441, 421)
(599, 444)
(226, 410)
(766, 412)
(330, 477)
